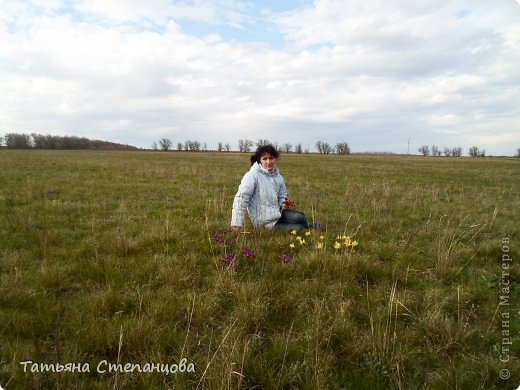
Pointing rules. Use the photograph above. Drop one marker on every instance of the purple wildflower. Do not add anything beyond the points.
(217, 237)
(286, 257)
(247, 253)
(229, 259)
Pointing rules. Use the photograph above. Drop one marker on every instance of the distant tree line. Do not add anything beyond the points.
(247, 145)
(325, 148)
(435, 151)
(166, 144)
(47, 141)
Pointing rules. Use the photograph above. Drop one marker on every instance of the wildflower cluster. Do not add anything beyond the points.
(305, 241)
(290, 204)
(286, 257)
(344, 242)
(231, 257)
(318, 243)
(247, 253)
(299, 240)
(297, 243)
(232, 253)
(220, 239)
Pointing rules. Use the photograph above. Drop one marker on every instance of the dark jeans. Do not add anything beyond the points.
(294, 220)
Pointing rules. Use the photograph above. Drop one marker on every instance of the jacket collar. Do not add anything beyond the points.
(260, 168)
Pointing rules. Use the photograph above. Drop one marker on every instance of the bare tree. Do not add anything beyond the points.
(326, 148)
(517, 152)
(227, 147)
(220, 148)
(456, 152)
(342, 148)
(179, 146)
(154, 146)
(194, 146)
(474, 151)
(436, 151)
(447, 152)
(323, 147)
(245, 145)
(165, 144)
(424, 150)
(287, 148)
(262, 142)
(298, 149)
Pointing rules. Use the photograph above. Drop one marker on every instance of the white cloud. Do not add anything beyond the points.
(372, 73)
(160, 11)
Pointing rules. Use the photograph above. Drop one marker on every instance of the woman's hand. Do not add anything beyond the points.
(288, 204)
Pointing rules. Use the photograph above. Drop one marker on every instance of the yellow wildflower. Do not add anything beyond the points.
(337, 245)
(291, 245)
(319, 245)
(308, 233)
(354, 244)
(302, 242)
(293, 232)
(322, 237)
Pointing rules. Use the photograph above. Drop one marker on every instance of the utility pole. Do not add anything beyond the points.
(408, 151)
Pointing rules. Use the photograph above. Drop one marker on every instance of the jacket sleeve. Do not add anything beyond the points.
(282, 193)
(242, 199)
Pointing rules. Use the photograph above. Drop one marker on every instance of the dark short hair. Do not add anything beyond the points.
(261, 150)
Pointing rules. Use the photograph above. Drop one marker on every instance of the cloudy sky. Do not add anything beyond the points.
(373, 73)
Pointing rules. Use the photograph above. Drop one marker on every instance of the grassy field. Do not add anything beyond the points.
(116, 257)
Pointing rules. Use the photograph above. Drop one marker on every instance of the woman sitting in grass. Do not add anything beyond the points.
(263, 194)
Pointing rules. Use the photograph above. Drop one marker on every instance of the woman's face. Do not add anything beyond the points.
(268, 161)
